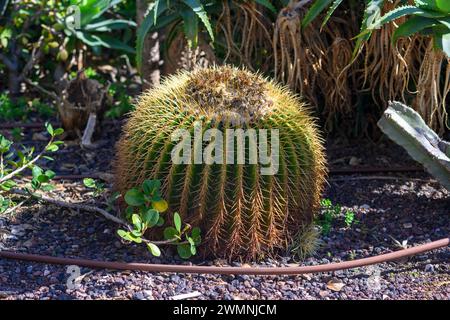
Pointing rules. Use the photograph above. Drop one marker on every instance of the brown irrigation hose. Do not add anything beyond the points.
(228, 270)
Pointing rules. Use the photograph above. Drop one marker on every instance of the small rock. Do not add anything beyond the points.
(429, 268)
(306, 276)
(323, 293)
(138, 296)
(354, 161)
(148, 294)
(17, 231)
(254, 291)
(407, 225)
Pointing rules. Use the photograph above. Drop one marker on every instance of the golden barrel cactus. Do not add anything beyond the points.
(243, 209)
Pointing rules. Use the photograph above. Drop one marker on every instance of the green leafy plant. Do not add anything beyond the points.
(191, 13)
(94, 28)
(145, 209)
(428, 17)
(97, 187)
(329, 213)
(11, 110)
(372, 11)
(31, 31)
(13, 163)
(349, 218)
(194, 17)
(121, 101)
(20, 109)
(145, 204)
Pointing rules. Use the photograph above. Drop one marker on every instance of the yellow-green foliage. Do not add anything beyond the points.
(241, 212)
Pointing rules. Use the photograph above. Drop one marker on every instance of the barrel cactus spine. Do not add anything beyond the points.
(242, 213)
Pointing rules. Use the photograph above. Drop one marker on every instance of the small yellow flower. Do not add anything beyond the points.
(161, 205)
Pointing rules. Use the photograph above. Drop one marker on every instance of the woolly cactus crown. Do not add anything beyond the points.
(242, 212)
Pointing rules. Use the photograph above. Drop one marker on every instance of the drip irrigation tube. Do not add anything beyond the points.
(228, 270)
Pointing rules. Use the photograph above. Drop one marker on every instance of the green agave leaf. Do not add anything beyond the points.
(434, 5)
(155, 10)
(92, 9)
(190, 27)
(412, 26)
(109, 25)
(317, 7)
(371, 13)
(442, 42)
(404, 11)
(197, 7)
(148, 25)
(110, 42)
(106, 41)
(445, 22)
(443, 6)
(331, 10)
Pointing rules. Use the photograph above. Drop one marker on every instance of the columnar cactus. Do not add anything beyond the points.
(244, 210)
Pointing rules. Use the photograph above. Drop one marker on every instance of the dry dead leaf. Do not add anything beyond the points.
(335, 285)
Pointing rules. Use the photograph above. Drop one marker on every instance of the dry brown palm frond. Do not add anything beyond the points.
(433, 88)
(180, 56)
(387, 68)
(314, 60)
(247, 33)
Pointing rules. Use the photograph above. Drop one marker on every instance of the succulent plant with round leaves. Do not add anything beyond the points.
(242, 212)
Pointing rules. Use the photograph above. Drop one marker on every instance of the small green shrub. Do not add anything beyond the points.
(145, 211)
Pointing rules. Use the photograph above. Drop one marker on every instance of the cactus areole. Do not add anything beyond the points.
(237, 155)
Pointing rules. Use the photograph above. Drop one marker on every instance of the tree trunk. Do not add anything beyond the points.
(151, 57)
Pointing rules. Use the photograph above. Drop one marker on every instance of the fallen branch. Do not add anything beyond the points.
(71, 205)
(86, 141)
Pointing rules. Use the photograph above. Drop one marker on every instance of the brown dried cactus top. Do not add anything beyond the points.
(229, 92)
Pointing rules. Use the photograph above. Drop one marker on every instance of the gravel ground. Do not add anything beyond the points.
(413, 210)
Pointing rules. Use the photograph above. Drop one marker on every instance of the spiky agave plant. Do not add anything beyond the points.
(243, 212)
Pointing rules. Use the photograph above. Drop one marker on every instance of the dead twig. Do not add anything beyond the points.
(86, 141)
